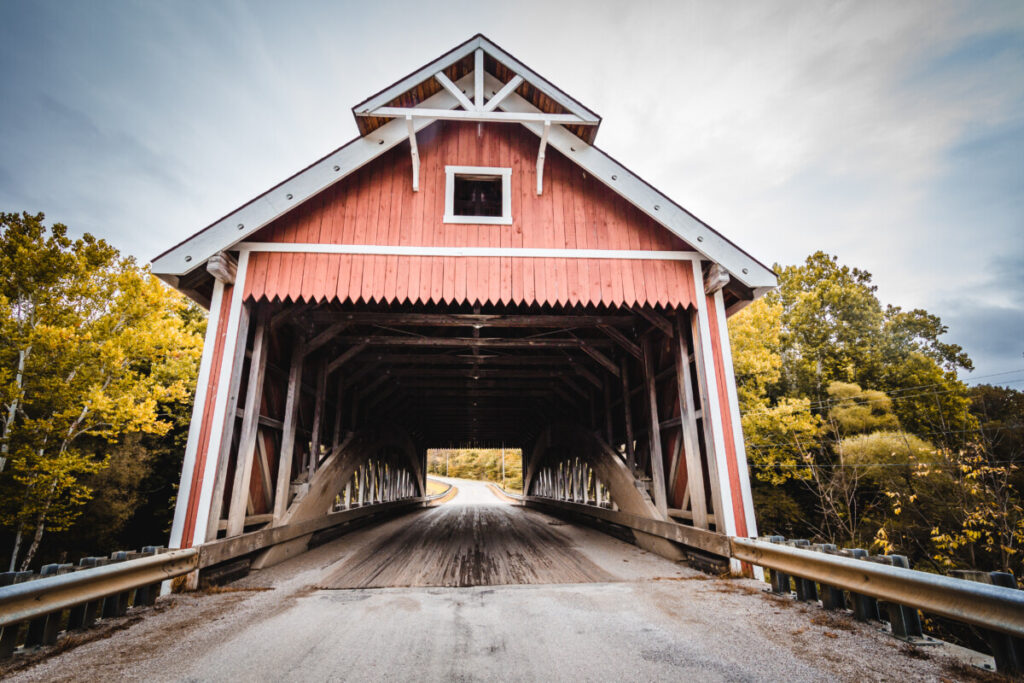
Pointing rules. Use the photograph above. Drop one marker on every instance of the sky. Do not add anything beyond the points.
(888, 134)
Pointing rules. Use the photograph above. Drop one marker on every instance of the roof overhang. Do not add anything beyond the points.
(444, 103)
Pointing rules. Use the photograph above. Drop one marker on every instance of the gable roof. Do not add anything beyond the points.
(525, 97)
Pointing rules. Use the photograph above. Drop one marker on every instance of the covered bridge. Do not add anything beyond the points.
(471, 269)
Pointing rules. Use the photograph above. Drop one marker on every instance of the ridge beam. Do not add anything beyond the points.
(454, 90)
(540, 157)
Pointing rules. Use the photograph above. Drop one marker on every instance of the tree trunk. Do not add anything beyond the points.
(12, 410)
(40, 527)
(17, 549)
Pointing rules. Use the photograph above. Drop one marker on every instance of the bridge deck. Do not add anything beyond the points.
(469, 545)
(618, 613)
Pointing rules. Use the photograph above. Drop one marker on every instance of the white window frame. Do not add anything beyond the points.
(506, 195)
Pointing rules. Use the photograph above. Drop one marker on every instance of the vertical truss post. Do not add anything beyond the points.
(318, 415)
(291, 418)
(654, 430)
(250, 429)
(478, 79)
(688, 425)
(627, 409)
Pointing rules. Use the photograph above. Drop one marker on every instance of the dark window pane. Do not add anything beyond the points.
(477, 196)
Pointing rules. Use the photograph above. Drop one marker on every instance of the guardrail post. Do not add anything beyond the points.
(84, 615)
(905, 621)
(831, 597)
(1006, 650)
(9, 634)
(43, 630)
(780, 580)
(147, 595)
(117, 605)
(865, 607)
(806, 590)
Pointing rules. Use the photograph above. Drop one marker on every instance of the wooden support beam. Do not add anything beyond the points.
(602, 360)
(250, 430)
(291, 420)
(285, 315)
(480, 116)
(628, 410)
(227, 435)
(608, 425)
(540, 157)
(478, 79)
(656, 319)
(688, 424)
(460, 96)
(348, 355)
(470, 342)
(318, 414)
(622, 340)
(414, 151)
(338, 405)
(505, 91)
(475, 320)
(325, 337)
(654, 437)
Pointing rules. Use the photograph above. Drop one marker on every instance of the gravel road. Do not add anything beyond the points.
(478, 589)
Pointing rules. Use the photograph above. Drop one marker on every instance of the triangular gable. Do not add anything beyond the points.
(545, 110)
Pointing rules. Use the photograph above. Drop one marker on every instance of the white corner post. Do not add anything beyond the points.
(198, 406)
(231, 339)
(714, 435)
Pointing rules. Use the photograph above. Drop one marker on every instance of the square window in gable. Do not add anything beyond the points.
(478, 195)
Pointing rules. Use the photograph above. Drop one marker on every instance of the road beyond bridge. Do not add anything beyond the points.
(478, 589)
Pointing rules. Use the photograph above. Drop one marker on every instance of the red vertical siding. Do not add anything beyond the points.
(731, 459)
(188, 535)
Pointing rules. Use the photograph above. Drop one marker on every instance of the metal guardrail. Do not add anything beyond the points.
(105, 591)
(33, 599)
(992, 607)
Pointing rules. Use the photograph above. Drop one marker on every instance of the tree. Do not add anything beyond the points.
(93, 346)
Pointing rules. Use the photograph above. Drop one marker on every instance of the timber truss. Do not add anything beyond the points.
(341, 402)
(479, 97)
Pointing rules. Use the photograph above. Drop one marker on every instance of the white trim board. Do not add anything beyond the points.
(248, 219)
(449, 195)
(514, 252)
(649, 200)
(245, 221)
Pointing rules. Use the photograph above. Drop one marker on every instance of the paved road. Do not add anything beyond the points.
(573, 605)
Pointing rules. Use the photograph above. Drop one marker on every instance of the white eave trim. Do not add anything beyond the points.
(242, 223)
(245, 221)
(649, 200)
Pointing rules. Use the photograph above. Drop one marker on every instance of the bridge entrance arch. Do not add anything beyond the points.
(451, 278)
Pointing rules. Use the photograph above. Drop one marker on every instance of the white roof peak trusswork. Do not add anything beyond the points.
(475, 81)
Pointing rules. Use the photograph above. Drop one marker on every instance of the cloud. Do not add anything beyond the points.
(887, 133)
